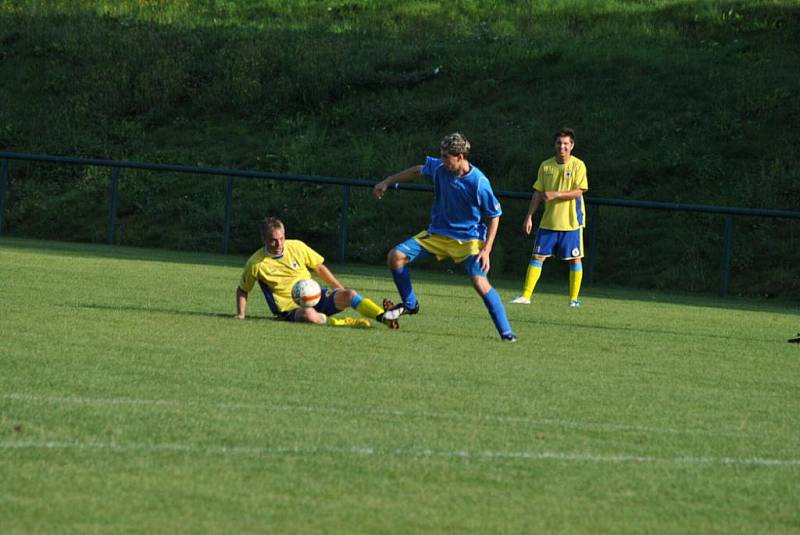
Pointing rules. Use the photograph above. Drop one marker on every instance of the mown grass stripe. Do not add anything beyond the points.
(377, 411)
(397, 452)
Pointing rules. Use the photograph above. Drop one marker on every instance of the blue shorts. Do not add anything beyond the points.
(568, 244)
(325, 306)
(415, 251)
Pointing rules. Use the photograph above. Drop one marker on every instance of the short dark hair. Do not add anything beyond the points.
(565, 132)
(269, 224)
(455, 144)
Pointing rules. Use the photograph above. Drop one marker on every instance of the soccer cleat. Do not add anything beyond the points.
(411, 311)
(389, 305)
(521, 300)
(390, 314)
(575, 303)
(509, 338)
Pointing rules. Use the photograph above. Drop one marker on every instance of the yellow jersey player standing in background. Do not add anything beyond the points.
(560, 183)
(276, 268)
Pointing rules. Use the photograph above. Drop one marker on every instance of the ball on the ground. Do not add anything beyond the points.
(306, 293)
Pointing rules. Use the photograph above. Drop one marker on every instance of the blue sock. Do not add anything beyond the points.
(402, 279)
(498, 312)
(356, 301)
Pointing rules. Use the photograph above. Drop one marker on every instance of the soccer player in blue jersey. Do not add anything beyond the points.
(463, 199)
(276, 268)
(560, 184)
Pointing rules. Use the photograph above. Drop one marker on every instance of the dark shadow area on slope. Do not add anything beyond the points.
(334, 87)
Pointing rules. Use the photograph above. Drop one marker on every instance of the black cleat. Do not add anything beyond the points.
(509, 338)
(411, 311)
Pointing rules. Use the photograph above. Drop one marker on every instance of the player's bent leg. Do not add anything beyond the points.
(368, 308)
(309, 315)
(398, 259)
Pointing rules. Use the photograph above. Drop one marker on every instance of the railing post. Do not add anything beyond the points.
(226, 231)
(727, 254)
(593, 223)
(3, 190)
(343, 224)
(112, 205)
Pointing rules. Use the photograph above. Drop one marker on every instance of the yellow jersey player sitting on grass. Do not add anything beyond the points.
(278, 265)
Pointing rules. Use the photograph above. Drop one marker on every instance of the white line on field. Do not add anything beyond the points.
(395, 452)
(375, 411)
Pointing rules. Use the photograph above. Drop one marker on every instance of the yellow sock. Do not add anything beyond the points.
(531, 278)
(368, 308)
(575, 278)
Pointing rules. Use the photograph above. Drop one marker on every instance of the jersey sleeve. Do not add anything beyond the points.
(539, 184)
(490, 206)
(581, 180)
(311, 258)
(431, 164)
(248, 279)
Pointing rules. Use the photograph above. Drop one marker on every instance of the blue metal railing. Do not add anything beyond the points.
(593, 203)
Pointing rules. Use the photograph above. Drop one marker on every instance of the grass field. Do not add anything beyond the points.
(131, 401)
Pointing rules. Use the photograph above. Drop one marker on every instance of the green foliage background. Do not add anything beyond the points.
(674, 101)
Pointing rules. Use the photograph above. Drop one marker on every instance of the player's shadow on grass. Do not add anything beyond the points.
(159, 310)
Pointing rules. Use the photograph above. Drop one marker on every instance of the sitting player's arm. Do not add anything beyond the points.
(403, 176)
(241, 303)
(325, 274)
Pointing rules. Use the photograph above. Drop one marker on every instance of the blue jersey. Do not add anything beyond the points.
(461, 202)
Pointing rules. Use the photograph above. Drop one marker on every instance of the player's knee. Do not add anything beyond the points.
(309, 315)
(348, 294)
(395, 259)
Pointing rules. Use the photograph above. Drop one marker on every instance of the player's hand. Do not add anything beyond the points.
(379, 189)
(485, 262)
(527, 225)
(550, 195)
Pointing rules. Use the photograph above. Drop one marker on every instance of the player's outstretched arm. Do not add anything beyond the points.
(403, 176)
(327, 275)
(241, 303)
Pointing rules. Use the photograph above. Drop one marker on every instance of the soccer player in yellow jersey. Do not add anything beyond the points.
(278, 265)
(560, 184)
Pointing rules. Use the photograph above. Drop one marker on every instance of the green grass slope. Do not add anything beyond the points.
(130, 400)
(672, 100)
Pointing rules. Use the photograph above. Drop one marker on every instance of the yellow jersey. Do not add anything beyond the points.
(277, 276)
(562, 214)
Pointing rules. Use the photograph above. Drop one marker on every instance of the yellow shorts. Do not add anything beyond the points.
(443, 247)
